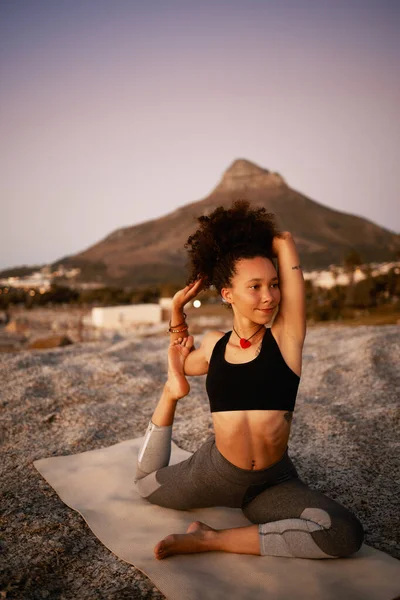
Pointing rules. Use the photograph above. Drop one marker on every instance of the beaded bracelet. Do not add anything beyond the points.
(170, 330)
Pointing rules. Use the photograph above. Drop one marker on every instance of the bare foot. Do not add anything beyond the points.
(198, 538)
(177, 353)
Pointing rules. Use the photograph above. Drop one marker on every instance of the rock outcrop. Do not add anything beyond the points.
(243, 175)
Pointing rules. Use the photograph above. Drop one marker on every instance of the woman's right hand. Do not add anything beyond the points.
(188, 293)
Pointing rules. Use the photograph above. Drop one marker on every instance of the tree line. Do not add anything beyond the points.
(323, 304)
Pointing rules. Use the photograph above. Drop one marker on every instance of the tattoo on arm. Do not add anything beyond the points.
(288, 416)
(297, 267)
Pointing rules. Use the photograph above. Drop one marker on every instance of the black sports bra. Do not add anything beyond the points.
(264, 383)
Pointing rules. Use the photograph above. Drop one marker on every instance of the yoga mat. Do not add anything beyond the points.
(99, 485)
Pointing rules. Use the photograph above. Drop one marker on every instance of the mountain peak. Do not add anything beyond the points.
(242, 167)
(243, 174)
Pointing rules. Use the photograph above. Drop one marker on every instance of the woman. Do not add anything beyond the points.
(253, 373)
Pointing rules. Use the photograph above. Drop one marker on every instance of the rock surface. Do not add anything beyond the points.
(344, 442)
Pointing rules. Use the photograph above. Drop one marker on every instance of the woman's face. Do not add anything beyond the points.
(254, 292)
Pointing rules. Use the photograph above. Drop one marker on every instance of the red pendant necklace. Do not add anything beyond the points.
(243, 342)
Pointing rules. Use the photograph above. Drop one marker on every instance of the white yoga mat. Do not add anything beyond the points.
(99, 485)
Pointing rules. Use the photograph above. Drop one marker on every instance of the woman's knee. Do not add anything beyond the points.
(353, 537)
(343, 538)
(147, 485)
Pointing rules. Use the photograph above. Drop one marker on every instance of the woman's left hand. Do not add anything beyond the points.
(278, 240)
(188, 293)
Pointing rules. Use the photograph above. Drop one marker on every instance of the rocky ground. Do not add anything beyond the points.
(88, 395)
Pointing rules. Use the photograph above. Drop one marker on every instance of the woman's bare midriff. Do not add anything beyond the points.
(252, 439)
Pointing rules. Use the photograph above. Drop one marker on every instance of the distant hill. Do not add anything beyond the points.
(153, 252)
(21, 271)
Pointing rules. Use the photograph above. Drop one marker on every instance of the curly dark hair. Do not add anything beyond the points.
(224, 237)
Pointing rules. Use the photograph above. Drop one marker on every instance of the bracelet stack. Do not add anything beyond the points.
(180, 328)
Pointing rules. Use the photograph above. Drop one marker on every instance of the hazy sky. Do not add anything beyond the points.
(116, 112)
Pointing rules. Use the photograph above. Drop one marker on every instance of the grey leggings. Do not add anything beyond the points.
(293, 519)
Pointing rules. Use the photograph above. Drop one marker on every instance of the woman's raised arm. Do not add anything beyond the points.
(292, 308)
(178, 328)
(195, 363)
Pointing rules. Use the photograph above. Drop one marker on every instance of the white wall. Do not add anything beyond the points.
(116, 317)
(166, 303)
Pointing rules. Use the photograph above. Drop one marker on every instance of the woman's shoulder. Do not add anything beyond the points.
(285, 335)
(289, 347)
(209, 341)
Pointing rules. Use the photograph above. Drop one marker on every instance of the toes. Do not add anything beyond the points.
(164, 548)
(159, 548)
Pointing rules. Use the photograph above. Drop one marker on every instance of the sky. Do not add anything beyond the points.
(116, 112)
